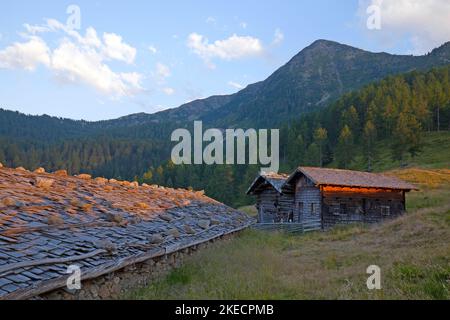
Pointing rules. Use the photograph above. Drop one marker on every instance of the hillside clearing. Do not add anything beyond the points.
(435, 153)
(413, 253)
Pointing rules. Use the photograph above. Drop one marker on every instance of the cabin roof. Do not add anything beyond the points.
(50, 221)
(350, 178)
(276, 180)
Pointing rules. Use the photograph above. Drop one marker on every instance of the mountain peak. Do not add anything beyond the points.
(442, 50)
(324, 42)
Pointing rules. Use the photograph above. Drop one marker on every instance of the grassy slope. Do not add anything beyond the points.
(413, 252)
(435, 154)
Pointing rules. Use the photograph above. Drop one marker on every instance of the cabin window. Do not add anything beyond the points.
(385, 210)
(343, 208)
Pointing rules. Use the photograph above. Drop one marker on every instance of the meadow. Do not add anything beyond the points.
(412, 251)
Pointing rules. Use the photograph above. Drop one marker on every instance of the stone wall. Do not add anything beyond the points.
(117, 284)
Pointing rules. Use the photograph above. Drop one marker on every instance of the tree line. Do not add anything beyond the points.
(396, 110)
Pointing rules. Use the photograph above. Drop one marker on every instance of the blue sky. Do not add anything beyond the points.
(145, 56)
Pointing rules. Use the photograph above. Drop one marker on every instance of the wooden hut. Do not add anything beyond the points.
(325, 197)
(273, 203)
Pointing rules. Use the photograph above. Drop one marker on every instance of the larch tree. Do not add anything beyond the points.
(369, 134)
(344, 148)
(320, 137)
(406, 137)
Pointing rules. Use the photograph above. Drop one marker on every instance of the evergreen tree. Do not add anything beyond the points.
(369, 138)
(406, 137)
(320, 137)
(344, 149)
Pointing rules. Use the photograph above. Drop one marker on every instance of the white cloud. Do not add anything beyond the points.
(211, 20)
(162, 71)
(26, 55)
(152, 49)
(425, 22)
(115, 48)
(278, 37)
(74, 64)
(168, 91)
(235, 85)
(235, 47)
(77, 58)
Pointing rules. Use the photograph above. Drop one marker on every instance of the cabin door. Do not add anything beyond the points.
(261, 213)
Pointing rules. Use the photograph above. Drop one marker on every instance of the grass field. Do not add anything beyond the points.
(435, 154)
(413, 253)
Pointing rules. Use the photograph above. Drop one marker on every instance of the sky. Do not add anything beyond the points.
(97, 60)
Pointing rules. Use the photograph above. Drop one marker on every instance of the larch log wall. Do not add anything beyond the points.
(367, 207)
(268, 212)
(308, 204)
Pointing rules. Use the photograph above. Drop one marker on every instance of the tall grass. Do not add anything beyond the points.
(412, 251)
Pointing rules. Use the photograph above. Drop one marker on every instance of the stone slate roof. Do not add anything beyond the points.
(51, 221)
(350, 178)
(277, 180)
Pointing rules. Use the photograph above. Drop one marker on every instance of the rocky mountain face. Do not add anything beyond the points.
(315, 77)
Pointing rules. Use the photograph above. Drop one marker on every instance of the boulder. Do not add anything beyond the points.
(55, 220)
(101, 181)
(61, 173)
(134, 184)
(174, 232)
(188, 229)
(9, 202)
(142, 205)
(156, 238)
(204, 224)
(43, 183)
(84, 176)
(166, 217)
(107, 245)
(39, 170)
(114, 217)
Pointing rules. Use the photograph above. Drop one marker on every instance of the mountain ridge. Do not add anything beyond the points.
(313, 78)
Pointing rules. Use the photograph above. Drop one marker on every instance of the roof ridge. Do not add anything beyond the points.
(355, 178)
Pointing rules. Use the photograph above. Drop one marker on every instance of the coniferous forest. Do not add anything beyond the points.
(395, 111)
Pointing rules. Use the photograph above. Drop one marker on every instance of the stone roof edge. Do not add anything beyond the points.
(60, 282)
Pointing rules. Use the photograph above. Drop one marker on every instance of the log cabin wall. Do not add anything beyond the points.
(274, 207)
(287, 212)
(350, 205)
(265, 204)
(307, 204)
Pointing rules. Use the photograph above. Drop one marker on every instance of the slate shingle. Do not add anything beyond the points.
(117, 218)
